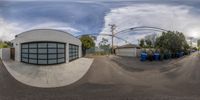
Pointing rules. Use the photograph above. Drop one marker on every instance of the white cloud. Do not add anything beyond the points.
(169, 17)
(55, 25)
(8, 30)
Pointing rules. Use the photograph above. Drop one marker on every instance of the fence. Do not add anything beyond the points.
(138, 52)
(5, 53)
(98, 51)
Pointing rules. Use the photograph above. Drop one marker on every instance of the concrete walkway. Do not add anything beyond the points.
(48, 76)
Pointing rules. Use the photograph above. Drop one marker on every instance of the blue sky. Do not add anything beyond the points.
(83, 17)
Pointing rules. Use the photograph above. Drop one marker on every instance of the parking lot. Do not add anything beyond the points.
(118, 78)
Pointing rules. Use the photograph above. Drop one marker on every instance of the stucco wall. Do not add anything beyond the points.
(44, 35)
(5, 53)
(129, 52)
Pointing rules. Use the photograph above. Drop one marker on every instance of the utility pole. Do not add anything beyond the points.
(113, 27)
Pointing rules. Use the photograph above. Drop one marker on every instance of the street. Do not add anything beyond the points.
(118, 78)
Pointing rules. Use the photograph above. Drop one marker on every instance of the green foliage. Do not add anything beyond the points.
(148, 43)
(195, 48)
(198, 43)
(172, 41)
(87, 42)
(103, 44)
(142, 43)
(5, 44)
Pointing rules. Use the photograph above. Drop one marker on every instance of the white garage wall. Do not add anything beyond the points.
(44, 35)
(129, 52)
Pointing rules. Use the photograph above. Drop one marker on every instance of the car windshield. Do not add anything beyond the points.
(99, 50)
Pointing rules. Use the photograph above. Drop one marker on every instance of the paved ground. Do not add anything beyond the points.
(51, 75)
(107, 80)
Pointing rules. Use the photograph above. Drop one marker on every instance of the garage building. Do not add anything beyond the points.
(129, 50)
(46, 46)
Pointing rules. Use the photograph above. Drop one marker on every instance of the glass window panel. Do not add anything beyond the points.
(61, 60)
(42, 56)
(33, 45)
(42, 61)
(61, 45)
(24, 60)
(61, 50)
(46, 55)
(73, 52)
(52, 50)
(52, 45)
(42, 45)
(61, 55)
(24, 45)
(52, 61)
(24, 50)
(33, 61)
(52, 56)
(33, 56)
(25, 55)
(32, 50)
(42, 50)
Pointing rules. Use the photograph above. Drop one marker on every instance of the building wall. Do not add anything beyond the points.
(44, 35)
(129, 52)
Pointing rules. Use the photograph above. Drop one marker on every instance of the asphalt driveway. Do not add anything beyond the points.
(109, 79)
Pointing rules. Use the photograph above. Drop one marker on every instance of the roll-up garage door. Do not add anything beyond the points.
(43, 53)
(73, 52)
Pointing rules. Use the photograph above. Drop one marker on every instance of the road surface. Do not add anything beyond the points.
(112, 79)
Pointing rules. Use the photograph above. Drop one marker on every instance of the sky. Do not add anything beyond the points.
(94, 16)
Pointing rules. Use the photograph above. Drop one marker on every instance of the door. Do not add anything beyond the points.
(43, 53)
(12, 53)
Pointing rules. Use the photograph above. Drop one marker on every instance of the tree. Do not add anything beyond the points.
(5, 44)
(142, 43)
(148, 43)
(198, 43)
(87, 43)
(152, 38)
(172, 41)
(103, 44)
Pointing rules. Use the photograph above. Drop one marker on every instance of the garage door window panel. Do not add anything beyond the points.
(73, 52)
(43, 53)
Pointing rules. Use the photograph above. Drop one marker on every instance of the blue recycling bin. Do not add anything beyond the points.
(178, 54)
(182, 54)
(156, 56)
(143, 56)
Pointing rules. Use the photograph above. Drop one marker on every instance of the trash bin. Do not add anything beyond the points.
(143, 56)
(182, 54)
(167, 56)
(156, 56)
(178, 54)
(173, 55)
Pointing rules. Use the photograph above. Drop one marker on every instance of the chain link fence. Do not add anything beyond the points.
(98, 51)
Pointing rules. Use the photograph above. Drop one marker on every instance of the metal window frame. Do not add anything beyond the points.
(73, 52)
(47, 53)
